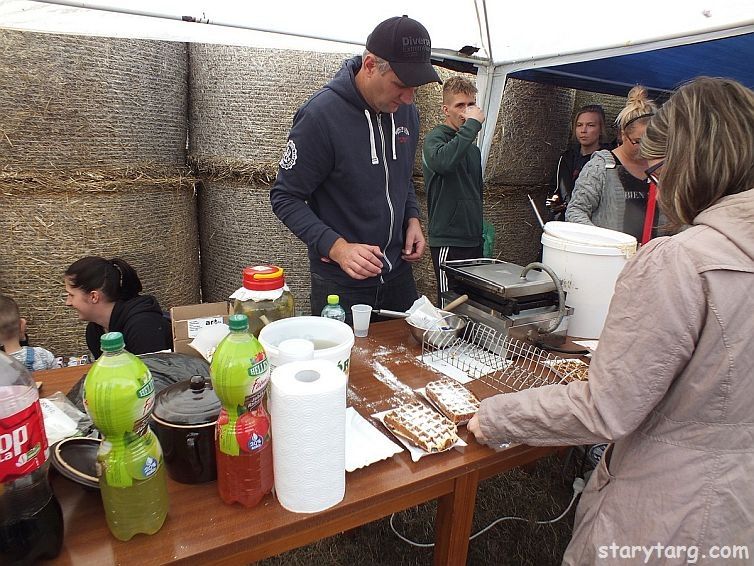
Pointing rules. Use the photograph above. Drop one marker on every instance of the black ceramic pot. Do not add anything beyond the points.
(184, 419)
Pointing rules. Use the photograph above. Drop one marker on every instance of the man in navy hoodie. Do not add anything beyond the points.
(344, 184)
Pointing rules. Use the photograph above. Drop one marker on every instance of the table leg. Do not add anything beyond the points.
(455, 512)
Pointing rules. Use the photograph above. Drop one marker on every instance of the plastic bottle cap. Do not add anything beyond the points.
(333, 299)
(263, 277)
(112, 342)
(238, 322)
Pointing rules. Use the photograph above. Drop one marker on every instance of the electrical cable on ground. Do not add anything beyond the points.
(578, 487)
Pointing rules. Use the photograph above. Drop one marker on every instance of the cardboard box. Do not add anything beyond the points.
(188, 319)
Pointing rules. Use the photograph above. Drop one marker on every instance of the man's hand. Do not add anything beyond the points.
(414, 242)
(474, 112)
(359, 261)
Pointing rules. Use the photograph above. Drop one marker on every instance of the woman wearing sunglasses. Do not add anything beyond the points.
(612, 189)
(671, 382)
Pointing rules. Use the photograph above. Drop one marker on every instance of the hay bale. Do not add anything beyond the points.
(531, 131)
(73, 101)
(424, 273)
(517, 232)
(611, 104)
(238, 228)
(49, 220)
(243, 99)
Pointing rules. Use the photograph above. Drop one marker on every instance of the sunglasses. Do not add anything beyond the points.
(651, 172)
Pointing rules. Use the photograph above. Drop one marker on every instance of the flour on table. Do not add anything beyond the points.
(388, 378)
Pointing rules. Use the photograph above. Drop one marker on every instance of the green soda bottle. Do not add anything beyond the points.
(240, 373)
(119, 396)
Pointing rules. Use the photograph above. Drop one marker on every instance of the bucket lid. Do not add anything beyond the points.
(189, 402)
(586, 235)
(263, 277)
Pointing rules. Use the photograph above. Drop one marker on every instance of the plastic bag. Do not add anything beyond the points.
(166, 368)
(62, 419)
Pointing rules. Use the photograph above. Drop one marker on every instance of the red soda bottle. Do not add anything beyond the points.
(240, 373)
(31, 521)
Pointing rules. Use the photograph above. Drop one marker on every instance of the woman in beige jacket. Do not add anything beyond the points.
(672, 382)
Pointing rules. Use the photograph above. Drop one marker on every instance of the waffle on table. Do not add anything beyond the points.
(422, 427)
(452, 399)
(571, 370)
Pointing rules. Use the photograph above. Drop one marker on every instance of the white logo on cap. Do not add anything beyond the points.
(290, 155)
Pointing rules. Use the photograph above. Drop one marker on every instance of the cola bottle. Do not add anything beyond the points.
(31, 521)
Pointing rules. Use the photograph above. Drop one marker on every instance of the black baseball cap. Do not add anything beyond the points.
(405, 44)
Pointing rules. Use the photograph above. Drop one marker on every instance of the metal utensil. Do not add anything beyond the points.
(391, 314)
(443, 335)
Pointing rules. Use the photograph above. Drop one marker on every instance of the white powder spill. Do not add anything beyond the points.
(352, 397)
(388, 378)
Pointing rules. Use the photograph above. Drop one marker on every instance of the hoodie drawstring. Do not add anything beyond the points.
(392, 121)
(375, 161)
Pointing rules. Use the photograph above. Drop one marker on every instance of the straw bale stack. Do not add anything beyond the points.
(531, 131)
(72, 101)
(424, 273)
(93, 146)
(517, 232)
(243, 99)
(238, 228)
(241, 108)
(147, 218)
(611, 104)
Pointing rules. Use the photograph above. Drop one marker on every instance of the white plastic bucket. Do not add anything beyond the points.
(332, 339)
(588, 260)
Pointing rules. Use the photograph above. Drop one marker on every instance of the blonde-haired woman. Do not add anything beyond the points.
(612, 189)
(671, 383)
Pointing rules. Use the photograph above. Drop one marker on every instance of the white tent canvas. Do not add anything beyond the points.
(509, 36)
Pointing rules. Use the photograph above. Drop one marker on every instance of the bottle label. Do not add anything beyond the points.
(260, 372)
(252, 431)
(23, 443)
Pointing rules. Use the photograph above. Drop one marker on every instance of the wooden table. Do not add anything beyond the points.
(200, 529)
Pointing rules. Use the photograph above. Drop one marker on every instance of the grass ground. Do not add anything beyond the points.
(539, 493)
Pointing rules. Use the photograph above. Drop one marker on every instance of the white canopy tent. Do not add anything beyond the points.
(510, 37)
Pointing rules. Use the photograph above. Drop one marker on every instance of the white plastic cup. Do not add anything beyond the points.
(361, 316)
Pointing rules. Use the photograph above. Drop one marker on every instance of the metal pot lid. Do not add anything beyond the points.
(189, 402)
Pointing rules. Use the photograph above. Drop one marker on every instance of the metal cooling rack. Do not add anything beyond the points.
(502, 362)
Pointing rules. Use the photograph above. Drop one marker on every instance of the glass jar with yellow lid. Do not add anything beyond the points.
(264, 296)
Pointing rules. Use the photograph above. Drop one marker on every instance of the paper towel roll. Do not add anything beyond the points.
(308, 407)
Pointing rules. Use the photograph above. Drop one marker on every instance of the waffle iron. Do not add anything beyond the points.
(523, 308)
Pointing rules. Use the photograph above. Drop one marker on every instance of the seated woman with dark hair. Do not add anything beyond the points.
(106, 294)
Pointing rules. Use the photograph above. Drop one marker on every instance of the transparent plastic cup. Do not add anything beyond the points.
(361, 316)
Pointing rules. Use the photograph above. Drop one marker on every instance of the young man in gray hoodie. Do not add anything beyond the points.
(344, 184)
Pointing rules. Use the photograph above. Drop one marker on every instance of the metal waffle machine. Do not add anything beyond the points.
(514, 301)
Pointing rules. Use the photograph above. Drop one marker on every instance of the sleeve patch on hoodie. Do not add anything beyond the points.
(290, 155)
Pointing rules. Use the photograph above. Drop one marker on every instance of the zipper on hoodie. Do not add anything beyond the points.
(387, 193)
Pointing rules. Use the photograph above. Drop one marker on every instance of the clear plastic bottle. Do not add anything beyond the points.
(240, 373)
(333, 309)
(31, 521)
(119, 396)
